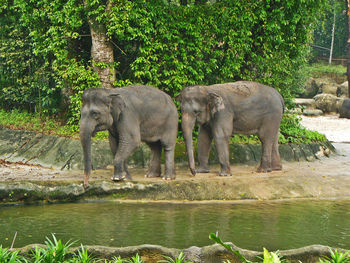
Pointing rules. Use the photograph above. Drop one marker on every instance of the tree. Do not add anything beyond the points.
(102, 48)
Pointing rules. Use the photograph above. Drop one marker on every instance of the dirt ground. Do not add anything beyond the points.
(336, 130)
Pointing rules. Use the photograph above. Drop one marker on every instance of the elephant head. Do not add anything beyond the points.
(100, 109)
(198, 106)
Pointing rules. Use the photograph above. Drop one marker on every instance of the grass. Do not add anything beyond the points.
(325, 68)
(17, 120)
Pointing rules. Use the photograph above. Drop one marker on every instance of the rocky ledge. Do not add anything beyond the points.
(208, 254)
(305, 173)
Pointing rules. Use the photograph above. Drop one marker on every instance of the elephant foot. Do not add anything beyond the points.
(193, 171)
(152, 174)
(168, 178)
(202, 170)
(264, 169)
(277, 167)
(225, 173)
(121, 177)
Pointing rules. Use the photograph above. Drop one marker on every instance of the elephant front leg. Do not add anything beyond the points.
(204, 143)
(120, 161)
(154, 166)
(221, 144)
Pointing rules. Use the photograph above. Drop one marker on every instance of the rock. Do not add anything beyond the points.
(306, 103)
(343, 90)
(326, 102)
(339, 103)
(329, 88)
(311, 89)
(312, 112)
(344, 109)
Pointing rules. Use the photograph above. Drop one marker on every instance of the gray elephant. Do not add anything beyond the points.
(242, 107)
(132, 115)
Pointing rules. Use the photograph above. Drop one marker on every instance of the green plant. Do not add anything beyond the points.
(7, 256)
(336, 257)
(82, 256)
(268, 257)
(179, 259)
(56, 251)
(218, 240)
(135, 259)
(118, 260)
(271, 257)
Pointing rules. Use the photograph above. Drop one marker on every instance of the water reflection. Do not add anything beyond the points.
(252, 225)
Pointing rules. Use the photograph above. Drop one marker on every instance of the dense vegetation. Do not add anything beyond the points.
(47, 54)
(334, 12)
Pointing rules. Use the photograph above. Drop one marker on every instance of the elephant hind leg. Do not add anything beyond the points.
(268, 135)
(275, 156)
(154, 169)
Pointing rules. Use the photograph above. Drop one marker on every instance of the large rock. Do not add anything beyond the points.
(344, 109)
(326, 102)
(310, 90)
(326, 85)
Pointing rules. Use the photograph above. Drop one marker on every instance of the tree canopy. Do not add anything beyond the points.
(48, 53)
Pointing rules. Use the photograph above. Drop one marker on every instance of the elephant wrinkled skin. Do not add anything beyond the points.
(242, 107)
(132, 115)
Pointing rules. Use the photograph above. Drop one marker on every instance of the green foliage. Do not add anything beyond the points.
(82, 256)
(268, 257)
(179, 259)
(56, 251)
(45, 61)
(271, 257)
(135, 259)
(34, 122)
(118, 260)
(336, 257)
(7, 256)
(291, 131)
(323, 30)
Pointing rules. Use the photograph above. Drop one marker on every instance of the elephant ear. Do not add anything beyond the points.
(216, 103)
(117, 103)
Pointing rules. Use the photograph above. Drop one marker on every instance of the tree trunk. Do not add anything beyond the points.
(348, 46)
(101, 52)
(332, 42)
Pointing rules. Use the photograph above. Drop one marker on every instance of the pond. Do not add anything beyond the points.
(250, 225)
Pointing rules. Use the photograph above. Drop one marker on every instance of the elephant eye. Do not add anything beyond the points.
(95, 114)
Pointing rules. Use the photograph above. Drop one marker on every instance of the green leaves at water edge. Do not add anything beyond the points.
(218, 240)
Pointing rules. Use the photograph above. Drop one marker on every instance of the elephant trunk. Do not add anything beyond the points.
(188, 123)
(85, 139)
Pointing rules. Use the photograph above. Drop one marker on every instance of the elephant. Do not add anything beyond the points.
(220, 110)
(131, 114)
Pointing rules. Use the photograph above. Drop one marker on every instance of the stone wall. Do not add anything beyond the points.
(65, 154)
(208, 254)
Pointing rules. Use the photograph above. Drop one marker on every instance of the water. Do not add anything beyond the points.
(252, 225)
